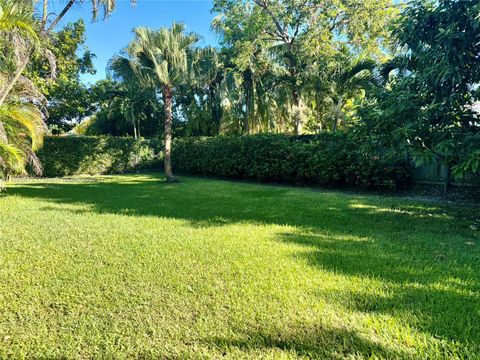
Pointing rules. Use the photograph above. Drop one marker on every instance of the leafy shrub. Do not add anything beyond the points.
(326, 160)
(64, 156)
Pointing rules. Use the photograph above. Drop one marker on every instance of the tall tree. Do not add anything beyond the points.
(21, 123)
(430, 106)
(44, 29)
(69, 100)
(297, 31)
(168, 56)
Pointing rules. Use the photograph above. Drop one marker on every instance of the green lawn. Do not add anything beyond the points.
(131, 267)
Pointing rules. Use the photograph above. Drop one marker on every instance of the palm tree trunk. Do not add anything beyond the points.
(167, 161)
(44, 13)
(336, 115)
(249, 100)
(317, 108)
(215, 112)
(298, 116)
(132, 119)
(61, 15)
(9, 86)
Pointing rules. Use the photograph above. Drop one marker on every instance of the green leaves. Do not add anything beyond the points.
(326, 160)
(66, 156)
(166, 54)
(21, 133)
(429, 104)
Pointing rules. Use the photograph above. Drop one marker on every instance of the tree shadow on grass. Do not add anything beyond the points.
(315, 342)
(208, 202)
(417, 251)
(439, 291)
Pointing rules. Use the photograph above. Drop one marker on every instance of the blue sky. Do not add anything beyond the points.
(107, 37)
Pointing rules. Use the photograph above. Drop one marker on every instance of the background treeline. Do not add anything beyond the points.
(403, 77)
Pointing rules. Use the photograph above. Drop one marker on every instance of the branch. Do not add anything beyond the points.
(61, 15)
(281, 31)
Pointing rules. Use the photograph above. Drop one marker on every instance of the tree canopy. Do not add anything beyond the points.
(402, 75)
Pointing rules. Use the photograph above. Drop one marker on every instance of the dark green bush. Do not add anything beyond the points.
(64, 156)
(326, 160)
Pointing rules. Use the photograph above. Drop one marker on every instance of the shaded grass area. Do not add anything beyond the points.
(129, 266)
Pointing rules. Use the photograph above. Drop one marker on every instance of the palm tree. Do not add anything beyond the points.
(167, 56)
(21, 133)
(345, 79)
(133, 90)
(10, 10)
(18, 37)
(21, 123)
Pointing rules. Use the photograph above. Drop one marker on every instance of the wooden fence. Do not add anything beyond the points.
(438, 174)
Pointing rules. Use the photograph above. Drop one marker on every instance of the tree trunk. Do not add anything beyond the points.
(298, 116)
(130, 117)
(61, 15)
(44, 13)
(337, 114)
(319, 115)
(249, 99)
(216, 113)
(9, 86)
(167, 162)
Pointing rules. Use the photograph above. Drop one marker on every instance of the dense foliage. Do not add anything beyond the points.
(283, 66)
(69, 100)
(327, 160)
(430, 104)
(284, 56)
(65, 156)
(402, 77)
(27, 35)
(21, 121)
(122, 110)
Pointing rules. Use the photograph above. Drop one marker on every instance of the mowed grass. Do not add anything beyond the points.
(131, 267)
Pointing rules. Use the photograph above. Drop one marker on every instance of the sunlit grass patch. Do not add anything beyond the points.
(128, 266)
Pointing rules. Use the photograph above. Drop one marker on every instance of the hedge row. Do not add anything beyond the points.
(324, 160)
(66, 156)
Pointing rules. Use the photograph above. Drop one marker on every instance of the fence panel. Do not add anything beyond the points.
(437, 173)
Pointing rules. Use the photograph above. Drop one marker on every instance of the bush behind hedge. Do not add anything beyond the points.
(75, 155)
(323, 160)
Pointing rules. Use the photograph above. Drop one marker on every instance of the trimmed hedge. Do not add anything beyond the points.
(323, 160)
(71, 155)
